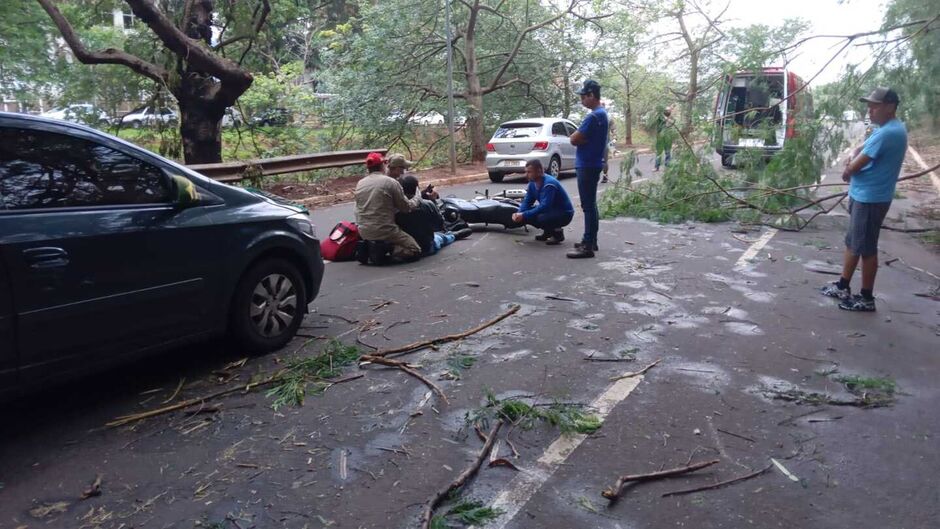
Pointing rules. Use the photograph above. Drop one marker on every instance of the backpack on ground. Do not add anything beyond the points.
(341, 244)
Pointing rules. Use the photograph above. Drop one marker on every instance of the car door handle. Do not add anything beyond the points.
(46, 257)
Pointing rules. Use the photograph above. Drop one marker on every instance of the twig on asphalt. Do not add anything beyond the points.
(344, 318)
(407, 368)
(385, 332)
(613, 492)
(637, 373)
(428, 512)
(378, 306)
(412, 347)
(720, 483)
(823, 271)
(812, 359)
(739, 436)
(176, 392)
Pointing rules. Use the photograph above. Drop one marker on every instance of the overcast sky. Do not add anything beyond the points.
(827, 17)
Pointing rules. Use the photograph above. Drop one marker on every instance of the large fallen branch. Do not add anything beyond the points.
(614, 492)
(125, 419)
(412, 347)
(427, 513)
(404, 366)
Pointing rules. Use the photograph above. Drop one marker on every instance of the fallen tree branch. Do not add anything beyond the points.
(405, 349)
(614, 492)
(637, 373)
(428, 512)
(404, 366)
(720, 483)
(125, 419)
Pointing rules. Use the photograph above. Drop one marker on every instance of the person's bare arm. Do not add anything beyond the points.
(577, 138)
(855, 165)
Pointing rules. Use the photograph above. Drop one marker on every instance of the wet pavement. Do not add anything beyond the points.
(734, 319)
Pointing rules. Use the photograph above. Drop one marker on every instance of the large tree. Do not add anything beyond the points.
(194, 68)
(391, 61)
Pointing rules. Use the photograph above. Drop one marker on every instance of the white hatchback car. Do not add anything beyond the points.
(516, 142)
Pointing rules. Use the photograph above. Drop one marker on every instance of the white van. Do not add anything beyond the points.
(759, 110)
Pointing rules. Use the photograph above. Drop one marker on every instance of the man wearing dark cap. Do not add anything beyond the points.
(378, 198)
(591, 142)
(872, 173)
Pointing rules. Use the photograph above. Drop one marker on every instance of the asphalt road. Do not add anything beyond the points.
(734, 319)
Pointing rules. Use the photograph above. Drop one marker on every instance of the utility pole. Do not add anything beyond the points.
(450, 92)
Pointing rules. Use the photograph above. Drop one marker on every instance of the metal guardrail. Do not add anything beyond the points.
(237, 171)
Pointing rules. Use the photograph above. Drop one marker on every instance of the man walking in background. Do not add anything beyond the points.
(872, 173)
(591, 142)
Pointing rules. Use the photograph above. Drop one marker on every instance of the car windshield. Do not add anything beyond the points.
(518, 130)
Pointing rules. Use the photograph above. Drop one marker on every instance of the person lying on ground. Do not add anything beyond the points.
(554, 210)
(378, 198)
(425, 224)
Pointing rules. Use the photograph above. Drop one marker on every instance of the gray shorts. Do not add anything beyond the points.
(865, 220)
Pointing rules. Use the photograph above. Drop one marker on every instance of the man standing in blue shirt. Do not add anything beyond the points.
(554, 210)
(591, 142)
(872, 174)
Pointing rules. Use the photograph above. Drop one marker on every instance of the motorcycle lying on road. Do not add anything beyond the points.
(485, 209)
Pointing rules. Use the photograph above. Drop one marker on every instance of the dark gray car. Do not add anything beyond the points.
(109, 252)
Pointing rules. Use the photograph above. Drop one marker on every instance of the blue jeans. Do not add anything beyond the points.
(588, 178)
(551, 220)
(659, 159)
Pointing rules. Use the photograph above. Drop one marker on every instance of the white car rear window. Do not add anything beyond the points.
(518, 130)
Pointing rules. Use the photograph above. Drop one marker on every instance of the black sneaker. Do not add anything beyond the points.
(580, 252)
(463, 234)
(579, 245)
(546, 235)
(557, 237)
(832, 290)
(857, 303)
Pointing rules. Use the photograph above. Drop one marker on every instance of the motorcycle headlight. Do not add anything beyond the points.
(302, 222)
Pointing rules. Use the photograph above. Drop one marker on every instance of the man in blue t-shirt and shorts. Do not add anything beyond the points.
(872, 174)
(591, 142)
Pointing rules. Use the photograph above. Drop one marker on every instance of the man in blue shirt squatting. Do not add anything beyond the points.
(554, 210)
(872, 174)
(591, 142)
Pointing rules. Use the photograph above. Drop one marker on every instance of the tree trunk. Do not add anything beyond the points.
(474, 97)
(201, 131)
(627, 114)
(566, 99)
(692, 92)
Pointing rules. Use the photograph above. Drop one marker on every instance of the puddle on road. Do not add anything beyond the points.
(633, 266)
(631, 284)
(715, 377)
(743, 328)
(681, 320)
(583, 325)
(742, 286)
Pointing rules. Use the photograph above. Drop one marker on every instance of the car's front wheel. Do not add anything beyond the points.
(496, 177)
(268, 306)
